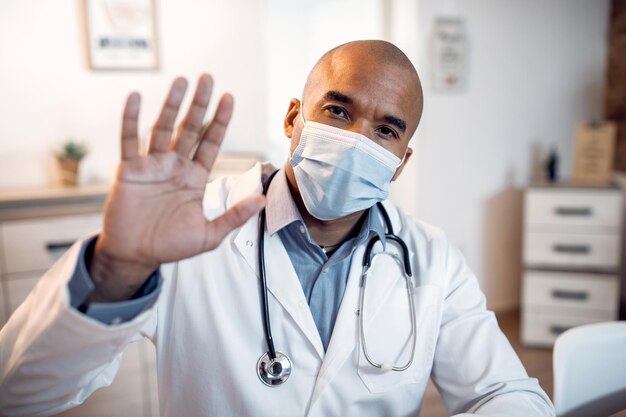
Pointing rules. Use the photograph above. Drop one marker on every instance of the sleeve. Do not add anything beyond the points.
(81, 285)
(475, 368)
(52, 357)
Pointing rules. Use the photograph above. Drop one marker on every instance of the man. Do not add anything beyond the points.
(180, 264)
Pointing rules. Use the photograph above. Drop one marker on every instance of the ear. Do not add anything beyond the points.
(291, 117)
(407, 156)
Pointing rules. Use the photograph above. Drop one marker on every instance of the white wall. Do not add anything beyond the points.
(47, 93)
(298, 33)
(536, 69)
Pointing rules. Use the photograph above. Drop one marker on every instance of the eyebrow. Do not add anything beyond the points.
(337, 96)
(399, 123)
(342, 98)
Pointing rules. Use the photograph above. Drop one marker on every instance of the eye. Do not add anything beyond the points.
(337, 111)
(386, 131)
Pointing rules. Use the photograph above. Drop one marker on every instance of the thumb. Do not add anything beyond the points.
(217, 229)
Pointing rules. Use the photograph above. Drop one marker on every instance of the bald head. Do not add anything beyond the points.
(373, 56)
(378, 52)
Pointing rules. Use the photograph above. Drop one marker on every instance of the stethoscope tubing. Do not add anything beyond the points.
(261, 256)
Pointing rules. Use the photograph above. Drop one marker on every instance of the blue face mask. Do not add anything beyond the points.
(340, 172)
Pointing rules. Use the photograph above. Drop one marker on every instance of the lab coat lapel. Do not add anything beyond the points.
(282, 281)
(284, 285)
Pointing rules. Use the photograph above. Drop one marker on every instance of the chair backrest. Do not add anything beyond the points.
(589, 365)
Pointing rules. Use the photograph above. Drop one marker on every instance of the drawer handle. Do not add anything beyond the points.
(573, 249)
(574, 211)
(557, 330)
(570, 295)
(59, 246)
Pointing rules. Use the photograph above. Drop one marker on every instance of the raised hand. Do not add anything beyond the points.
(153, 214)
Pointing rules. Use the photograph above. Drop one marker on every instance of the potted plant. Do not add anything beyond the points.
(69, 157)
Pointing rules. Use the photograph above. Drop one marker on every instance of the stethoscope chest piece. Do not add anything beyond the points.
(273, 372)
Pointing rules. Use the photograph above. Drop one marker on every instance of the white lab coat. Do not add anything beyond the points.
(208, 332)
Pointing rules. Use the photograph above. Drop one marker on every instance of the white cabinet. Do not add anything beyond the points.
(34, 245)
(2, 303)
(571, 257)
(17, 289)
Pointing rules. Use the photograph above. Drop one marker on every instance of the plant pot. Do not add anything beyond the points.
(69, 171)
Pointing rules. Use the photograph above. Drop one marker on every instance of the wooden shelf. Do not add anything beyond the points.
(28, 203)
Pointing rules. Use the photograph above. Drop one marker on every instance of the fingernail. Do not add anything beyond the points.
(134, 99)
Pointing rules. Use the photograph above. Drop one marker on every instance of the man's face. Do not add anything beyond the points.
(352, 92)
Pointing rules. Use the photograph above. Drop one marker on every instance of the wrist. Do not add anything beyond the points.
(116, 279)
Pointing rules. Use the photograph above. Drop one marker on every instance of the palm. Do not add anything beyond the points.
(154, 211)
(158, 201)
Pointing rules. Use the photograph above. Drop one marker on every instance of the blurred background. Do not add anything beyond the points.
(506, 84)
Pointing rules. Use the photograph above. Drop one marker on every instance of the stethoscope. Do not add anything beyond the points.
(273, 367)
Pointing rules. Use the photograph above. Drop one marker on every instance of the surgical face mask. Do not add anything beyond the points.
(340, 172)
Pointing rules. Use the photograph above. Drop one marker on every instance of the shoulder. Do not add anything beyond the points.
(224, 192)
(429, 243)
(411, 227)
(436, 260)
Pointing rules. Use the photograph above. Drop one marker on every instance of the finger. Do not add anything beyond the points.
(164, 126)
(190, 128)
(130, 122)
(216, 230)
(214, 134)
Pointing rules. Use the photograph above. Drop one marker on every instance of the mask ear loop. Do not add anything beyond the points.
(302, 113)
(401, 162)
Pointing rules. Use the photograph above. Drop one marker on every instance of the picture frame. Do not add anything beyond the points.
(121, 34)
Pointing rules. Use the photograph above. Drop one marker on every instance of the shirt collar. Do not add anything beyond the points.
(375, 224)
(281, 210)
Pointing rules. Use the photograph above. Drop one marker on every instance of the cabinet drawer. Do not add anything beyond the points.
(560, 289)
(16, 292)
(597, 208)
(543, 329)
(600, 251)
(33, 245)
(3, 317)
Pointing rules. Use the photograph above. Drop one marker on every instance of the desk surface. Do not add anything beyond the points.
(31, 203)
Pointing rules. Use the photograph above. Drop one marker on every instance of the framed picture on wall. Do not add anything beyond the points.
(121, 34)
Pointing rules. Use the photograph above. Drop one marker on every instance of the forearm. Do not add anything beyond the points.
(522, 398)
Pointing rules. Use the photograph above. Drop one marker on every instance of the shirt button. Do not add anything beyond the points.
(249, 243)
(324, 271)
(116, 320)
(302, 229)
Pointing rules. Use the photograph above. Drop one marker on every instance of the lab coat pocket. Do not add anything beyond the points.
(388, 338)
